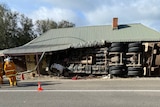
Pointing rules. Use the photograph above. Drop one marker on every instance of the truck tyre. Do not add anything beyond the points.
(118, 44)
(116, 49)
(115, 72)
(135, 49)
(135, 44)
(118, 72)
(135, 73)
(135, 68)
(118, 67)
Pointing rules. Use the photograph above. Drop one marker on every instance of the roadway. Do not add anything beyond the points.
(82, 93)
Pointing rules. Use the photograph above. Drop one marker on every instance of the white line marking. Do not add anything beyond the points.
(80, 91)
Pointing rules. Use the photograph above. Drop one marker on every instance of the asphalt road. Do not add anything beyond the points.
(83, 93)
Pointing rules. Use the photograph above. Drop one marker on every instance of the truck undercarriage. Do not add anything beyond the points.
(118, 58)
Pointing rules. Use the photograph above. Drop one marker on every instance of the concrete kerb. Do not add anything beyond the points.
(95, 79)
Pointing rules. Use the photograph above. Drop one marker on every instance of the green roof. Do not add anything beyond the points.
(59, 39)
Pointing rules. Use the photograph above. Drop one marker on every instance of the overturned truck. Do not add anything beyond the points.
(117, 49)
(117, 58)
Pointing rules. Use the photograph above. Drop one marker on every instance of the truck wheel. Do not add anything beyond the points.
(135, 73)
(118, 72)
(135, 49)
(135, 68)
(135, 44)
(118, 44)
(116, 49)
(115, 72)
(116, 67)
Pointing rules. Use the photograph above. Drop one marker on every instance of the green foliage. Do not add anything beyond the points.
(65, 24)
(45, 25)
(17, 29)
(26, 31)
(3, 26)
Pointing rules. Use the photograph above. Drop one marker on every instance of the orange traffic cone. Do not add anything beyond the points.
(75, 77)
(39, 87)
(22, 76)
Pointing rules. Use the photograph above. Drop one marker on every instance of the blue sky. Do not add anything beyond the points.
(91, 12)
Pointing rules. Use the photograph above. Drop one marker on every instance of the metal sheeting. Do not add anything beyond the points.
(3, 51)
(59, 39)
(48, 48)
(35, 49)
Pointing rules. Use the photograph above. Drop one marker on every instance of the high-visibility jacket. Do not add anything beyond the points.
(1, 69)
(10, 69)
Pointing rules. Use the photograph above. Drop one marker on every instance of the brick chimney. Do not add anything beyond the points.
(115, 23)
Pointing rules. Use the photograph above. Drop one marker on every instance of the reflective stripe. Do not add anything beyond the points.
(10, 70)
(8, 73)
(11, 75)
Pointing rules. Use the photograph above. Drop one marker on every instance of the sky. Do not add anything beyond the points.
(90, 12)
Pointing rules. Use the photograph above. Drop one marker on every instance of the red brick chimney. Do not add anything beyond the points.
(115, 23)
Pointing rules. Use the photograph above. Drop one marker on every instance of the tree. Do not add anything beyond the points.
(11, 29)
(15, 29)
(45, 25)
(26, 30)
(65, 24)
(5, 28)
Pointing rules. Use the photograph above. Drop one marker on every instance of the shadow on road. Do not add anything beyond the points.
(30, 83)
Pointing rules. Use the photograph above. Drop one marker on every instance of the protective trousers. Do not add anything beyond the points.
(1, 79)
(12, 81)
(1, 73)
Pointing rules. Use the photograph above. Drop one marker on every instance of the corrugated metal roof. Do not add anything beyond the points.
(2, 52)
(59, 39)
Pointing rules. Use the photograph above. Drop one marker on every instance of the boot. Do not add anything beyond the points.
(14, 81)
(10, 81)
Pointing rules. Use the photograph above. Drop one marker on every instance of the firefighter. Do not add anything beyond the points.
(10, 71)
(1, 72)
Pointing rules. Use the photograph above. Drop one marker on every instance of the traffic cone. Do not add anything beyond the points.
(22, 76)
(39, 87)
(75, 77)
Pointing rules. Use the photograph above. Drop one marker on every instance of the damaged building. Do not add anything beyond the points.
(121, 50)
